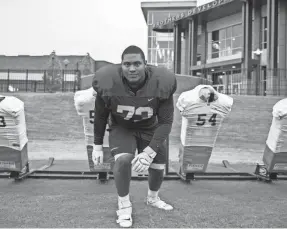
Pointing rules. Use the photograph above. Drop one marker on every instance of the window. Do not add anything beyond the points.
(199, 48)
(227, 81)
(160, 45)
(225, 42)
(198, 57)
(264, 33)
(215, 44)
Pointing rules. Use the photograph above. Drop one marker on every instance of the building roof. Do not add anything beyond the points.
(23, 62)
(166, 5)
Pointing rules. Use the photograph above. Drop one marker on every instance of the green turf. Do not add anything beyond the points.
(85, 203)
(53, 117)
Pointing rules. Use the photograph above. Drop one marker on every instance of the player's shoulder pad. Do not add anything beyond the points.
(105, 78)
(165, 79)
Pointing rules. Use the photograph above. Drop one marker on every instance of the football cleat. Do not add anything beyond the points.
(158, 203)
(125, 217)
(125, 214)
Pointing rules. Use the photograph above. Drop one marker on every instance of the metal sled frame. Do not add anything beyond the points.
(268, 178)
(103, 177)
(18, 176)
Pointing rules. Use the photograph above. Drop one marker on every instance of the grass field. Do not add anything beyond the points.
(55, 129)
(52, 117)
(86, 204)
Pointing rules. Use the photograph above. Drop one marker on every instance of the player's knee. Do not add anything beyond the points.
(157, 166)
(124, 159)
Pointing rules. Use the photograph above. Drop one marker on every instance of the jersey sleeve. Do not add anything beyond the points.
(165, 120)
(102, 84)
(167, 86)
(100, 120)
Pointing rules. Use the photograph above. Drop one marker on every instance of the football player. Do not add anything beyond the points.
(139, 100)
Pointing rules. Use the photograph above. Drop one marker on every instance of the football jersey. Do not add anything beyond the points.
(84, 101)
(277, 137)
(13, 132)
(201, 120)
(134, 110)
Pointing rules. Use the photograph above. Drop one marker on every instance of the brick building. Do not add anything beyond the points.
(46, 72)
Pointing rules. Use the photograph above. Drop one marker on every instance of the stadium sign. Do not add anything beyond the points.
(191, 12)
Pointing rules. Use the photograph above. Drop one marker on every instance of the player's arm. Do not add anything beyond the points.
(165, 114)
(100, 120)
(165, 120)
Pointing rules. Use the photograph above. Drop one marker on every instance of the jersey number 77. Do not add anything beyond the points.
(130, 111)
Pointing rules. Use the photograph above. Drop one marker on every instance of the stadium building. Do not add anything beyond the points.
(160, 48)
(238, 44)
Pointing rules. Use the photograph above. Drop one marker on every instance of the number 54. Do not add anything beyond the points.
(201, 119)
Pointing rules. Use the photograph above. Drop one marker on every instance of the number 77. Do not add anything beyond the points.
(131, 111)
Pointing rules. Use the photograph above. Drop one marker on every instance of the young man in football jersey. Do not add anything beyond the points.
(139, 100)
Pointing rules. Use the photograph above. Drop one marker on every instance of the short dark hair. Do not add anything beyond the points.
(132, 49)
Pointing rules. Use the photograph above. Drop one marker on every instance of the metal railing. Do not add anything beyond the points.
(260, 82)
(39, 80)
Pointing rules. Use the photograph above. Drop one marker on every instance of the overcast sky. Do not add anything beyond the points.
(71, 27)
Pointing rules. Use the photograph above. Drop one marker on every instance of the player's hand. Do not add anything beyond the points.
(98, 155)
(142, 161)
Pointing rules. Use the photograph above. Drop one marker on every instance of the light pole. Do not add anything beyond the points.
(258, 53)
(66, 62)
